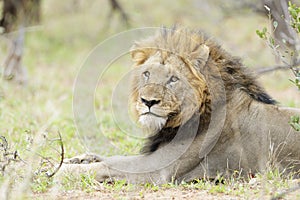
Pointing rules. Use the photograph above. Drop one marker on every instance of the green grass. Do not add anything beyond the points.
(54, 54)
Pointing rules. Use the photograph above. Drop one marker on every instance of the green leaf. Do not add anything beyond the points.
(262, 33)
(275, 24)
(265, 30)
(294, 122)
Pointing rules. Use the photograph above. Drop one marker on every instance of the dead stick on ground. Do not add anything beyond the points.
(13, 68)
(62, 154)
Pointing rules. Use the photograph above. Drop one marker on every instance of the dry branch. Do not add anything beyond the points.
(265, 70)
(62, 154)
(116, 7)
(7, 156)
(13, 68)
(284, 34)
(48, 164)
(16, 12)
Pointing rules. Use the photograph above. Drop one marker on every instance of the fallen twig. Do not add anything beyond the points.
(282, 194)
(62, 154)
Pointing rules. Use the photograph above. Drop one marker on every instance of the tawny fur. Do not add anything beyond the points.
(183, 80)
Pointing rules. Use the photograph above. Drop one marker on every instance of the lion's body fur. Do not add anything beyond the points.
(239, 126)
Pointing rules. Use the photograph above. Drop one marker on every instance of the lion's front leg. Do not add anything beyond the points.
(129, 168)
(99, 170)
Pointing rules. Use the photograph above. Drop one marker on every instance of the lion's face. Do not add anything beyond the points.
(163, 94)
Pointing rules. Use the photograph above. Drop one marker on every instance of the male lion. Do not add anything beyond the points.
(206, 116)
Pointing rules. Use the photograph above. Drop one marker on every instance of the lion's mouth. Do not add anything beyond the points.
(170, 115)
(151, 113)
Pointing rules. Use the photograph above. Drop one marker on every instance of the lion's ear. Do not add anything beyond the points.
(140, 55)
(200, 56)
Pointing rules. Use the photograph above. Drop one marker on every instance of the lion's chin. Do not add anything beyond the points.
(152, 123)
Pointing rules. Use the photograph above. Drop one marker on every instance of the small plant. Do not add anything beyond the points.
(118, 185)
(88, 182)
(41, 184)
(295, 122)
(262, 33)
(198, 184)
(295, 16)
(221, 188)
(7, 156)
(297, 80)
(266, 35)
(294, 12)
(151, 187)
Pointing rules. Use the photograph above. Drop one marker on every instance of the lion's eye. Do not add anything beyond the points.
(174, 79)
(146, 74)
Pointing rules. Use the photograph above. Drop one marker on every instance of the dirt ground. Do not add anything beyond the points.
(170, 193)
(161, 194)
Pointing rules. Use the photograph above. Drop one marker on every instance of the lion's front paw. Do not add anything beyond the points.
(84, 159)
(74, 173)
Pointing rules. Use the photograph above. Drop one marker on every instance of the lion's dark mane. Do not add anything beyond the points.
(233, 74)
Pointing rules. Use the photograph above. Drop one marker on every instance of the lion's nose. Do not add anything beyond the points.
(149, 103)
